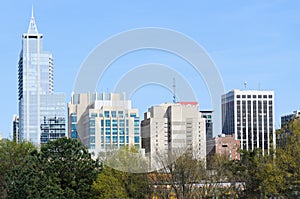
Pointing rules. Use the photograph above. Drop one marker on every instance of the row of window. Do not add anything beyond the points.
(115, 139)
(113, 114)
(256, 96)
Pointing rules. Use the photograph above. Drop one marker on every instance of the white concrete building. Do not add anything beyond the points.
(249, 115)
(103, 121)
(170, 129)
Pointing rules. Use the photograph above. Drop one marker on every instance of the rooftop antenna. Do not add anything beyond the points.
(174, 90)
(32, 11)
(245, 85)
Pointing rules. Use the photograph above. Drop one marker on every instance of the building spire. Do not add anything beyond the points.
(32, 28)
(32, 11)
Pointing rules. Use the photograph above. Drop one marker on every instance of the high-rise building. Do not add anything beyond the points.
(173, 128)
(103, 122)
(249, 116)
(37, 99)
(208, 116)
(15, 130)
(285, 119)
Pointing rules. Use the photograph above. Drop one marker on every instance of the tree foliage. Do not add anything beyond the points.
(61, 169)
(12, 155)
(122, 176)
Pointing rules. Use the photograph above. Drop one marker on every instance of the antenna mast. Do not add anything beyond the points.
(174, 90)
(245, 84)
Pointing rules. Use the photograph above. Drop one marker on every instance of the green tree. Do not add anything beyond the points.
(126, 168)
(61, 169)
(12, 155)
(109, 184)
(288, 160)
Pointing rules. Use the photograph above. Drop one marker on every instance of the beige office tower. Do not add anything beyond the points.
(168, 130)
(103, 121)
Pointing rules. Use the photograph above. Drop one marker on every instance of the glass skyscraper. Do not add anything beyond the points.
(37, 99)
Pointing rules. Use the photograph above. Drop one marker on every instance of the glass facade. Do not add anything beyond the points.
(52, 129)
(35, 85)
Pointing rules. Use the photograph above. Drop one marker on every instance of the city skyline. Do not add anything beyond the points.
(261, 48)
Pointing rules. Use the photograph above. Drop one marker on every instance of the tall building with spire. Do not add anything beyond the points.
(37, 100)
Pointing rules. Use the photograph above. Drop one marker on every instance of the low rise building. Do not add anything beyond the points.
(227, 146)
(52, 129)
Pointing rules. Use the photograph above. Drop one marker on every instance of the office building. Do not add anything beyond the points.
(208, 116)
(37, 99)
(172, 128)
(285, 131)
(103, 122)
(15, 130)
(285, 119)
(249, 116)
(227, 146)
(52, 129)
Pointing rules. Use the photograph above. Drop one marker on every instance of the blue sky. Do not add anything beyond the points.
(255, 41)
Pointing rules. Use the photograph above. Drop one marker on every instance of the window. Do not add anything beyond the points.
(93, 115)
(107, 122)
(74, 127)
(74, 134)
(120, 113)
(107, 139)
(127, 139)
(114, 122)
(115, 131)
(92, 139)
(92, 131)
(121, 123)
(136, 122)
(113, 114)
(74, 117)
(106, 113)
(136, 139)
(238, 96)
(115, 139)
(121, 131)
(122, 139)
(107, 131)
(132, 114)
(102, 122)
(92, 122)
(136, 131)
